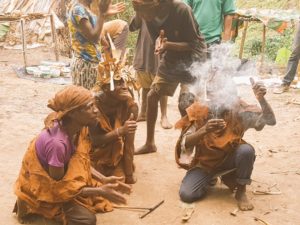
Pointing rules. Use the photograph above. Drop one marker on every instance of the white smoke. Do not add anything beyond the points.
(214, 79)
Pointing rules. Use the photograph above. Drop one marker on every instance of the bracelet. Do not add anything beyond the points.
(118, 133)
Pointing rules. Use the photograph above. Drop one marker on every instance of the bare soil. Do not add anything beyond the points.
(23, 108)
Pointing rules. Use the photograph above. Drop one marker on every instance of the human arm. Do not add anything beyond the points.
(135, 23)
(212, 126)
(228, 10)
(105, 9)
(99, 138)
(227, 27)
(108, 191)
(267, 116)
(162, 44)
(57, 173)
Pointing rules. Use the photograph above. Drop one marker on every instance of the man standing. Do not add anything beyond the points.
(179, 48)
(145, 63)
(213, 17)
(292, 65)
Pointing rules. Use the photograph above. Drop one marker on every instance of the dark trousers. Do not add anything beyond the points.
(194, 184)
(293, 62)
(78, 215)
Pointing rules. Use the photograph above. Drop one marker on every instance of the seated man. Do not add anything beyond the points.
(56, 180)
(211, 142)
(113, 137)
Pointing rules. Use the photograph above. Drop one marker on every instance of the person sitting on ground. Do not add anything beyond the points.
(56, 180)
(145, 63)
(113, 137)
(87, 32)
(212, 142)
(179, 46)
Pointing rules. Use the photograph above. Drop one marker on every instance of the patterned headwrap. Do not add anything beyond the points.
(68, 99)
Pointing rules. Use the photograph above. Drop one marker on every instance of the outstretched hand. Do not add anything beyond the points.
(110, 192)
(105, 7)
(259, 89)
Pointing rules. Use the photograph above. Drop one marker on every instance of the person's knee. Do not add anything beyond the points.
(190, 196)
(91, 219)
(246, 151)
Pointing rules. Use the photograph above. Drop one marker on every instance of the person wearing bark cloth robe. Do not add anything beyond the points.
(178, 42)
(211, 142)
(56, 180)
(113, 137)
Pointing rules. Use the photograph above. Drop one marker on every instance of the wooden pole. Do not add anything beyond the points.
(54, 37)
(24, 45)
(263, 47)
(243, 39)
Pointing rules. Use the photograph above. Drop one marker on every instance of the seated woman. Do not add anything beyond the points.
(113, 137)
(56, 180)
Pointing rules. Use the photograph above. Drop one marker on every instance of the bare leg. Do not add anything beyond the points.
(243, 203)
(142, 115)
(152, 104)
(163, 107)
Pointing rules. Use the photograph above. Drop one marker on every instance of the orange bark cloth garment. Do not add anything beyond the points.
(212, 149)
(45, 196)
(107, 158)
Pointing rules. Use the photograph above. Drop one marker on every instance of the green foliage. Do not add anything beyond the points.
(274, 40)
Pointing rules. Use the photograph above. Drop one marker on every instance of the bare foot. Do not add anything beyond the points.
(130, 179)
(243, 203)
(145, 149)
(165, 123)
(141, 117)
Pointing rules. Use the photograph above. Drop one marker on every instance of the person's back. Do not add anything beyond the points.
(53, 147)
(210, 16)
(82, 46)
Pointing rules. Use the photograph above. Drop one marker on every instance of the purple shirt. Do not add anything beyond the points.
(53, 147)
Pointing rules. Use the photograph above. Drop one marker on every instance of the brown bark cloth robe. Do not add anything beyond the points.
(114, 158)
(212, 150)
(45, 196)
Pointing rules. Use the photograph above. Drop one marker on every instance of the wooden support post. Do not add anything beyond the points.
(24, 44)
(263, 47)
(243, 39)
(54, 37)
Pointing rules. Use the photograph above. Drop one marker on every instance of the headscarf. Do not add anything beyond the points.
(68, 99)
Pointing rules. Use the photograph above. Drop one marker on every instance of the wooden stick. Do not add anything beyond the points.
(260, 220)
(263, 47)
(243, 40)
(54, 39)
(152, 209)
(24, 47)
(132, 207)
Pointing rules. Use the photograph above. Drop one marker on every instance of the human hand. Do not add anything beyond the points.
(160, 43)
(111, 179)
(129, 126)
(111, 193)
(115, 8)
(259, 89)
(215, 125)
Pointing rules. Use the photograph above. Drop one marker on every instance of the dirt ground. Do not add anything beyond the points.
(23, 108)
